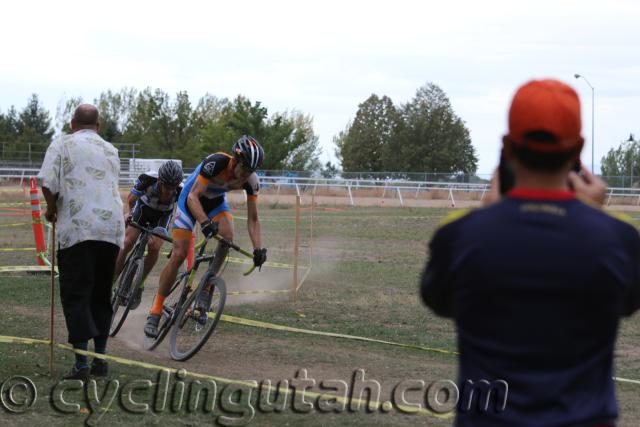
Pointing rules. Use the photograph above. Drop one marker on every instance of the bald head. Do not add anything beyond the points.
(85, 117)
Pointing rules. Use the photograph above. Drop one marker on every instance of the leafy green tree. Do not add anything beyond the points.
(623, 161)
(34, 130)
(152, 123)
(329, 170)
(64, 113)
(362, 146)
(287, 138)
(115, 108)
(425, 135)
(213, 134)
(8, 134)
(433, 138)
(9, 125)
(35, 118)
(301, 145)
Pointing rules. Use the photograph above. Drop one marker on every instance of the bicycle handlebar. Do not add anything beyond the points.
(200, 245)
(150, 231)
(228, 243)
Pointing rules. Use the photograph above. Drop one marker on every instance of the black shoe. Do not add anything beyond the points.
(151, 327)
(136, 298)
(99, 368)
(202, 305)
(77, 374)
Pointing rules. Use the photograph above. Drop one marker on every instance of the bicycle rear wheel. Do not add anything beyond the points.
(130, 280)
(191, 330)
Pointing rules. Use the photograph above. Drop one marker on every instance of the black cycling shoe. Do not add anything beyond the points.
(99, 368)
(151, 327)
(202, 305)
(77, 374)
(136, 298)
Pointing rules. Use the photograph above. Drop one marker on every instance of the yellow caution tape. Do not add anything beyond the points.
(266, 291)
(626, 380)
(19, 340)
(265, 325)
(16, 249)
(12, 204)
(15, 224)
(266, 264)
(254, 385)
(26, 268)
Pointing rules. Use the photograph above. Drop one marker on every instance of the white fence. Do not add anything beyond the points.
(302, 185)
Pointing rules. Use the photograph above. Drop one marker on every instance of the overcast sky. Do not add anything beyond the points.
(325, 57)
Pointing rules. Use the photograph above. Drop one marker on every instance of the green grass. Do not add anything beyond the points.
(366, 267)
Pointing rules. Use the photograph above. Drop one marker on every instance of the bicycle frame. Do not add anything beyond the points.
(186, 279)
(129, 281)
(198, 259)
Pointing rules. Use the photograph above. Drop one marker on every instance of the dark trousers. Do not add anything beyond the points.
(86, 275)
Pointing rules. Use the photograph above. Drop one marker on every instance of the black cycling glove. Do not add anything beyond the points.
(259, 257)
(209, 228)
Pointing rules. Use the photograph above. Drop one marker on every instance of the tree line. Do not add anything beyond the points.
(423, 135)
(175, 128)
(163, 127)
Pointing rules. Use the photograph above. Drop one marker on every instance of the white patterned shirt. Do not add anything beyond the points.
(84, 170)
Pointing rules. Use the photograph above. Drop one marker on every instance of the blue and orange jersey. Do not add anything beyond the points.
(216, 172)
(537, 284)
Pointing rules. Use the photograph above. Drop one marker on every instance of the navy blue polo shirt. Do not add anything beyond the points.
(536, 285)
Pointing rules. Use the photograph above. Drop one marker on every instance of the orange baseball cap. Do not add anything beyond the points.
(546, 106)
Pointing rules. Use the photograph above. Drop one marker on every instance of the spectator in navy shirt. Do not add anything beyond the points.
(537, 282)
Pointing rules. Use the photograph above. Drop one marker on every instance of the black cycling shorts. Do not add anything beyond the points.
(148, 217)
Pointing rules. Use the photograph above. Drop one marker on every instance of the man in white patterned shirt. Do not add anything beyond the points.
(79, 179)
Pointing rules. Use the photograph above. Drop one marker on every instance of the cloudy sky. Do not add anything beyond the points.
(324, 58)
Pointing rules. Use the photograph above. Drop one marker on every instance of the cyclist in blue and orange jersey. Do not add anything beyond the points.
(151, 203)
(203, 201)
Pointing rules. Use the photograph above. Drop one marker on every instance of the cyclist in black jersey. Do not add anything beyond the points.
(151, 203)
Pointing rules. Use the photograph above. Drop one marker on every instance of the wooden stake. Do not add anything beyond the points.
(53, 287)
(313, 197)
(296, 248)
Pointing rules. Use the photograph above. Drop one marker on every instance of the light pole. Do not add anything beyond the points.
(633, 152)
(593, 97)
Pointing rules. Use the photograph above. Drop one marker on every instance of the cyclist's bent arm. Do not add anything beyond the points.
(131, 201)
(193, 201)
(253, 222)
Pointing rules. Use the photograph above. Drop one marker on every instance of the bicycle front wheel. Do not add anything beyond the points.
(194, 325)
(121, 299)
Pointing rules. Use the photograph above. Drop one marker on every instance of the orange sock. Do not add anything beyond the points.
(158, 301)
